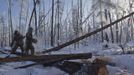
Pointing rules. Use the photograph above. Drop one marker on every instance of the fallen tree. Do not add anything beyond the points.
(48, 58)
(86, 35)
(97, 67)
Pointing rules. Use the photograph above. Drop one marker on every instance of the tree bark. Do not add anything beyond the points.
(48, 58)
(52, 20)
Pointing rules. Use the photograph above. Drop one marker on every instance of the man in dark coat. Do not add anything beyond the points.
(29, 41)
(17, 41)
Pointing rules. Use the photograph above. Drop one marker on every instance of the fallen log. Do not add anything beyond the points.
(37, 63)
(48, 58)
(86, 35)
(97, 67)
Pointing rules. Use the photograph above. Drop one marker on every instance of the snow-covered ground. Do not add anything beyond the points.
(124, 63)
(7, 69)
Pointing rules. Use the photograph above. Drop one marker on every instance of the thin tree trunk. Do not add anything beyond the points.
(117, 28)
(39, 21)
(10, 20)
(58, 8)
(20, 15)
(120, 39)
(111, 29)
(27, 14)
(33, 12)
(128, 32)
(45, 25)
(94, 36)
(101, 21)
(81, 14)
(117, 33)
(52, 20)
(35, 18)
(132, 28)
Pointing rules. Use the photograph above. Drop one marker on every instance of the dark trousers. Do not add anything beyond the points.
(29, 48)
(14, 48)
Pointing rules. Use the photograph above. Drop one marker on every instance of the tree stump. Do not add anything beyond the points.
(99, 67)
(103, 70)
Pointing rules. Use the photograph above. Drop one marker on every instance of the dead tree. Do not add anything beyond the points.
(48, 58)
(87, 35)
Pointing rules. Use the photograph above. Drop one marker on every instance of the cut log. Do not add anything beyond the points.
(86, 35)
(48, 58)
(99, 67)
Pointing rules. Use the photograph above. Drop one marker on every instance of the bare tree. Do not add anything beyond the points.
(101, 21)
(111, 28)
(3, 33)
(10, 20)
(52, 24)
(20, 15)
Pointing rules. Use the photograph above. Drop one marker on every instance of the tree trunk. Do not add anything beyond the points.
(52, 20)
(33, 12)
(48, 58)
(117, 33)
(121, 28)
(35, 18)
(10, 20)
(111, 29)
(101, 22)
(20, 29)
